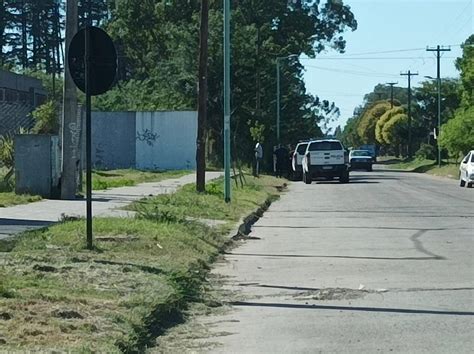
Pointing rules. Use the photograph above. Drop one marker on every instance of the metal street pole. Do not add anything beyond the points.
(278, 94)
(227, 184)
(278, 99)
(87, 61)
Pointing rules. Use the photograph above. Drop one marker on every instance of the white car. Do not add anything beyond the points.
(297, 159)
(466, 170)
(325, 158)
(360, 159)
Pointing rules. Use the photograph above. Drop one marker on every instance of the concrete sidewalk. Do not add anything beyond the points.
(14, 220)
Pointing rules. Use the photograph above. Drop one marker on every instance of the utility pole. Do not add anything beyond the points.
(391, 92)
(202, 100)
(438, 51)
(227, 186)
(409, 74)
(71, 127)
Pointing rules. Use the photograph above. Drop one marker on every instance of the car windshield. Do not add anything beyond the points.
(301, 149)
(325, 145)
(360, 153)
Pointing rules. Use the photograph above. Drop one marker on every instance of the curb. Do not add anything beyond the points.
(245, 224)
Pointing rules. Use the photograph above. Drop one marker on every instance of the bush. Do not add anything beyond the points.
(426, 151)
(46, 117)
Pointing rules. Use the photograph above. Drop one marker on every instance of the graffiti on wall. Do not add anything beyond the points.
(147, 136)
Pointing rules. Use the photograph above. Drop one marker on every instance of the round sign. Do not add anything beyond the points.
(103, 60)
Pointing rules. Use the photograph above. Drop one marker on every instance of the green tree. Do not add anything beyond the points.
(395, 132)
(158, 43)
(457, 135)
(386, 117)
(368, 121)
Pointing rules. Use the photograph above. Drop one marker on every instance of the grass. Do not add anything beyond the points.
(100, 180)
(8, 197)
(449, 170)
(143, 272)
(129, 177)
(208, 206)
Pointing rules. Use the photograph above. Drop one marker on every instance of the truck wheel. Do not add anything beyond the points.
(344, 178)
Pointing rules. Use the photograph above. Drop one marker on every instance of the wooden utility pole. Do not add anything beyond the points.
(202, 100)
(438, 51)
(71, 126)
(409, 74)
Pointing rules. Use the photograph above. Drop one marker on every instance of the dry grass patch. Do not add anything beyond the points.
(143, 272)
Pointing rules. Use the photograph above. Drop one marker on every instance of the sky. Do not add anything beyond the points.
(403, 29)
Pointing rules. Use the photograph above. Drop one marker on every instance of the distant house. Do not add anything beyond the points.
(19, 96)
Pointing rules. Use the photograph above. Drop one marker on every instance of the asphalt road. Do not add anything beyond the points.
(382, 264)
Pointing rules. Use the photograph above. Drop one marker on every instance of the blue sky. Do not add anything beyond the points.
(389, 25)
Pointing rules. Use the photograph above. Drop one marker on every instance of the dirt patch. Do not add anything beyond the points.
(68, 314)
(329, 294)
(45, 268)
(118, 238)
(5, 316)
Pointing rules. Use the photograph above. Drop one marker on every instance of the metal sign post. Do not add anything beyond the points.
(93, 66)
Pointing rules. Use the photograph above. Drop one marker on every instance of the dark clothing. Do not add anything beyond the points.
(281, 155)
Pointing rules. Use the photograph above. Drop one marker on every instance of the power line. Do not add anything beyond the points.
(352, 72)
(388, 51)
(372, 58)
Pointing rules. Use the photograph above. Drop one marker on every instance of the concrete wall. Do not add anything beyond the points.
(144, 140)
(113, 140)
(166, 140)
(37, 165)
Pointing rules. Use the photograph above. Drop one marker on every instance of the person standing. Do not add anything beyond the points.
(281, 154)
(258, 157)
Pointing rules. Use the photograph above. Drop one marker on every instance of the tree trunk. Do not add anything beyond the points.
(202, 99)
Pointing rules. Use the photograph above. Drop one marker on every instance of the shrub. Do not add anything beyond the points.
(426, 151)
(46, 117)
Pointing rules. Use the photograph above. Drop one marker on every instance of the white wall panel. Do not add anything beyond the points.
(166, 140)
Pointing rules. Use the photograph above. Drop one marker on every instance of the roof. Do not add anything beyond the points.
(20, 82)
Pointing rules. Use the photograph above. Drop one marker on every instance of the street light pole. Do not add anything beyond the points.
(227, 185)
(278, 93)
(278, 99)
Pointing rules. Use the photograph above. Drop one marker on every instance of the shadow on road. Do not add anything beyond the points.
(327, 256)
(352, 308)
(23, 222)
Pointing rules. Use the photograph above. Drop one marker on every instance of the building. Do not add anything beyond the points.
(19, 96)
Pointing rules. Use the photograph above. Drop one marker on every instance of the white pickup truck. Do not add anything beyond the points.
(325, 158)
